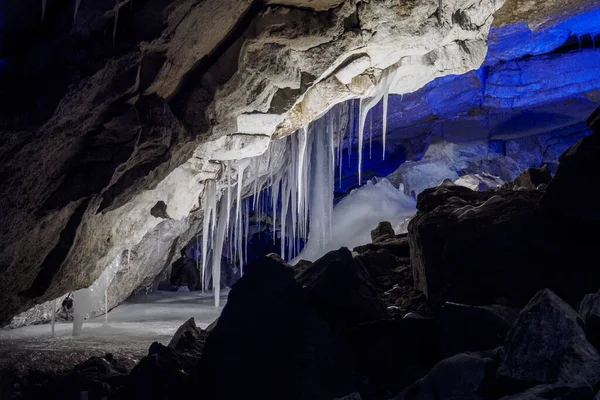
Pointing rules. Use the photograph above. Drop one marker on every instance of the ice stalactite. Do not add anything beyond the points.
(210, 210)
(128, 258)
(44, 9)
(370, 134)
(218, 240)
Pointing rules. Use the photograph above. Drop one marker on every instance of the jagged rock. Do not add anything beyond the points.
(342, 291)
(531, 178)
(473, 328)
(188, 338)
(468, 247)
(394, 353)
(351, 396)
(589, 311)
(575, 185)
(301, 266)
(378, 263)
(269, 331)
(558, 391)
(383, 232)
(548, 345)
(164, 373)
(459, 377)
(397, 246)
(185, 273)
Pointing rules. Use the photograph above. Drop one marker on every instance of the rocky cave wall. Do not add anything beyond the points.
(148, 96)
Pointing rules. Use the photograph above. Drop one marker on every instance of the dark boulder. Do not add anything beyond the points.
(532, 178)
(164, 374)
(576, 185)
(547, 345)
(473, 328)
(460, 377)
(476, 247)
(392, 354)
(341, 290)
(185, 273)
(269, 343)
(188, 338)
(397, 246)
(589, 311)
(558, 391)
(378, 263)
(383, 232)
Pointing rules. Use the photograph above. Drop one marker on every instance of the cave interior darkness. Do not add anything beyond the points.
(414, 216)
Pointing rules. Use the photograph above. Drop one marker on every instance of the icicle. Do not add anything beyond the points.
(208, 225)
(579, 40)
(385, 111)
(77, 2)
(43, 9)
(255, 165)
(351, 133)
(246, 230)
(275, 200)
(198, 249)
(228, 190)
(53, 317)
(370, 134)
(219, 238)
(128, 258)
(361, 128)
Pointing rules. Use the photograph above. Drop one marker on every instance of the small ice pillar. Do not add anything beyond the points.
(82, 303)
(53, 317)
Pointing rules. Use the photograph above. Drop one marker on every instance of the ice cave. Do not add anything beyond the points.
(300, 199)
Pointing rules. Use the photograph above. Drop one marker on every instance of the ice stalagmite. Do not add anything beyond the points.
(53, 317)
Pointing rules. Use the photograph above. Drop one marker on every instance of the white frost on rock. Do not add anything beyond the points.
(479, 182)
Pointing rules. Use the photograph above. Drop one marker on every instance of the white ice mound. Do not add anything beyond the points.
(358, 213)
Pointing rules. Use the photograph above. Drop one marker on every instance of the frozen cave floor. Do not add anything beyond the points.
(132, 327)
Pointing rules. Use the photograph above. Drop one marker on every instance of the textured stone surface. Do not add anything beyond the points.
(138, 120)
(547, 345)
(458, 377)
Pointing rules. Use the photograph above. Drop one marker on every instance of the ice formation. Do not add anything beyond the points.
(295, 197)
(357, 214)
(84, 300)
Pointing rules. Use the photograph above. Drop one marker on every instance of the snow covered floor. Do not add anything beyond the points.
(132, 327)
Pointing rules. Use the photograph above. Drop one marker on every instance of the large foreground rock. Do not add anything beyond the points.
(270, 344)
(589, 311)
(473, 328)
(547, 344)
(458, 378)
(562, 391)
(475, 248)
(342, 291)
(392, 354)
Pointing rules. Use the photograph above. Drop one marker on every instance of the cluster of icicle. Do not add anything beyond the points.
(297, 194)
